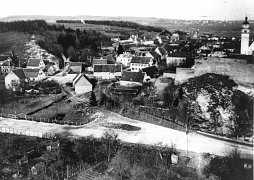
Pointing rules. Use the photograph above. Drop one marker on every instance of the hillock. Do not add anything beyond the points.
(212, 105)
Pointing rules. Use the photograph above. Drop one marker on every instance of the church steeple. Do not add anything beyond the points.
(245, 36)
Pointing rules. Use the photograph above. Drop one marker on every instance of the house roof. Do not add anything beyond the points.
(133, 76)
(141, 60)
(77, 78)
(151, 71)
(180, 54)
(4, 57)
(75, 64)
(110, 58)
(31, 73)
(34, 62)
(100, 61)
(162, 50)
(20, 73)
(7, 63)
(165, 33)
(107, 68)
(155, 54)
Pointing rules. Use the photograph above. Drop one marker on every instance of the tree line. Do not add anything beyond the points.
(124, 24)
(58, 40)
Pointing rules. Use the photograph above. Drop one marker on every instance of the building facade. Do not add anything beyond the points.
(245, 36)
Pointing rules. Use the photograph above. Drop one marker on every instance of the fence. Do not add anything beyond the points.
(152, 116)
(37, 119)
(26, 132)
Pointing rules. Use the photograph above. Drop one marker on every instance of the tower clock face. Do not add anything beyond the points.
(245, 26)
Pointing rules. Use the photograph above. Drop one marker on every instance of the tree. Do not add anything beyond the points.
(103, 99)
(110, 144)
(93, 101)
(120, 49)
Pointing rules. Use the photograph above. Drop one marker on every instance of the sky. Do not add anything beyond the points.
(169, 9)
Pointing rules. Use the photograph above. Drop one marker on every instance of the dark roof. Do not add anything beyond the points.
(110, 58)
(78, 76)
(180, 54)
(4, 57)
(165, 33)
(76, 64)
(133, 76)
(107, 68)
(162, 50)
(246, 20)
(31, 73)
(151, 71)
(33, 62)
(141, 60)
(249, 58)
(20, 73)
(7, 63)
(155, 54)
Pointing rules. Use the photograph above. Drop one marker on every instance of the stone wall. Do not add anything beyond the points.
(237, 69)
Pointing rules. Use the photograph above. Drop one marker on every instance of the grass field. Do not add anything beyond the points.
(14, 41)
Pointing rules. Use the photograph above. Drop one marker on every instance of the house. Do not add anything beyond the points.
(33, 74)
(35, 64)
(76, 67)
(154, 55)
(162, 52)
(82, 84)
(107, 71)
(132, 78)
(110, 59)
(138, 63)
(124, 59)
(100, 61)
(151, 72)
(6, 66)
(51, 68)
(14, 79)
(177, 58)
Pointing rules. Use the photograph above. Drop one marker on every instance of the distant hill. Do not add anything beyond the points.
(221, 28)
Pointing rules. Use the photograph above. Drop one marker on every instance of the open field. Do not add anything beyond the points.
(111, 31)
(14, 41)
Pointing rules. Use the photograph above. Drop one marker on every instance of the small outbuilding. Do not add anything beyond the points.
(82, 84)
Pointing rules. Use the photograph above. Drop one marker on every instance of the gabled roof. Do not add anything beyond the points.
(7, 63)
(20, 73)
(162, 50)
(110, 58)
(107, 68)
(155, 54)
(141, 60)
(133, 76)
(31, 73)
(151, 71)
(77, 78)
(165, 33)
(34, 62)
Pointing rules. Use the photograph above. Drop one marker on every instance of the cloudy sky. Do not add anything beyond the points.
(172, 9)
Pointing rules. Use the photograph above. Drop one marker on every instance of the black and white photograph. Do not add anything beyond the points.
(126, 90)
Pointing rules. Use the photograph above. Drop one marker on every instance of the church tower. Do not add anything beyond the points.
(245, 36)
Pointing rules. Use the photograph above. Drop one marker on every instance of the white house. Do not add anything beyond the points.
(14, 79)
(132, 78)
(6, 66)
(107, 71)
(35, 64)
(18, 76)
(82, 84)
(138, 63)
(124, 59)
(177, 58)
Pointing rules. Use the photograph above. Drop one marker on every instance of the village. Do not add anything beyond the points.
(135, 86)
